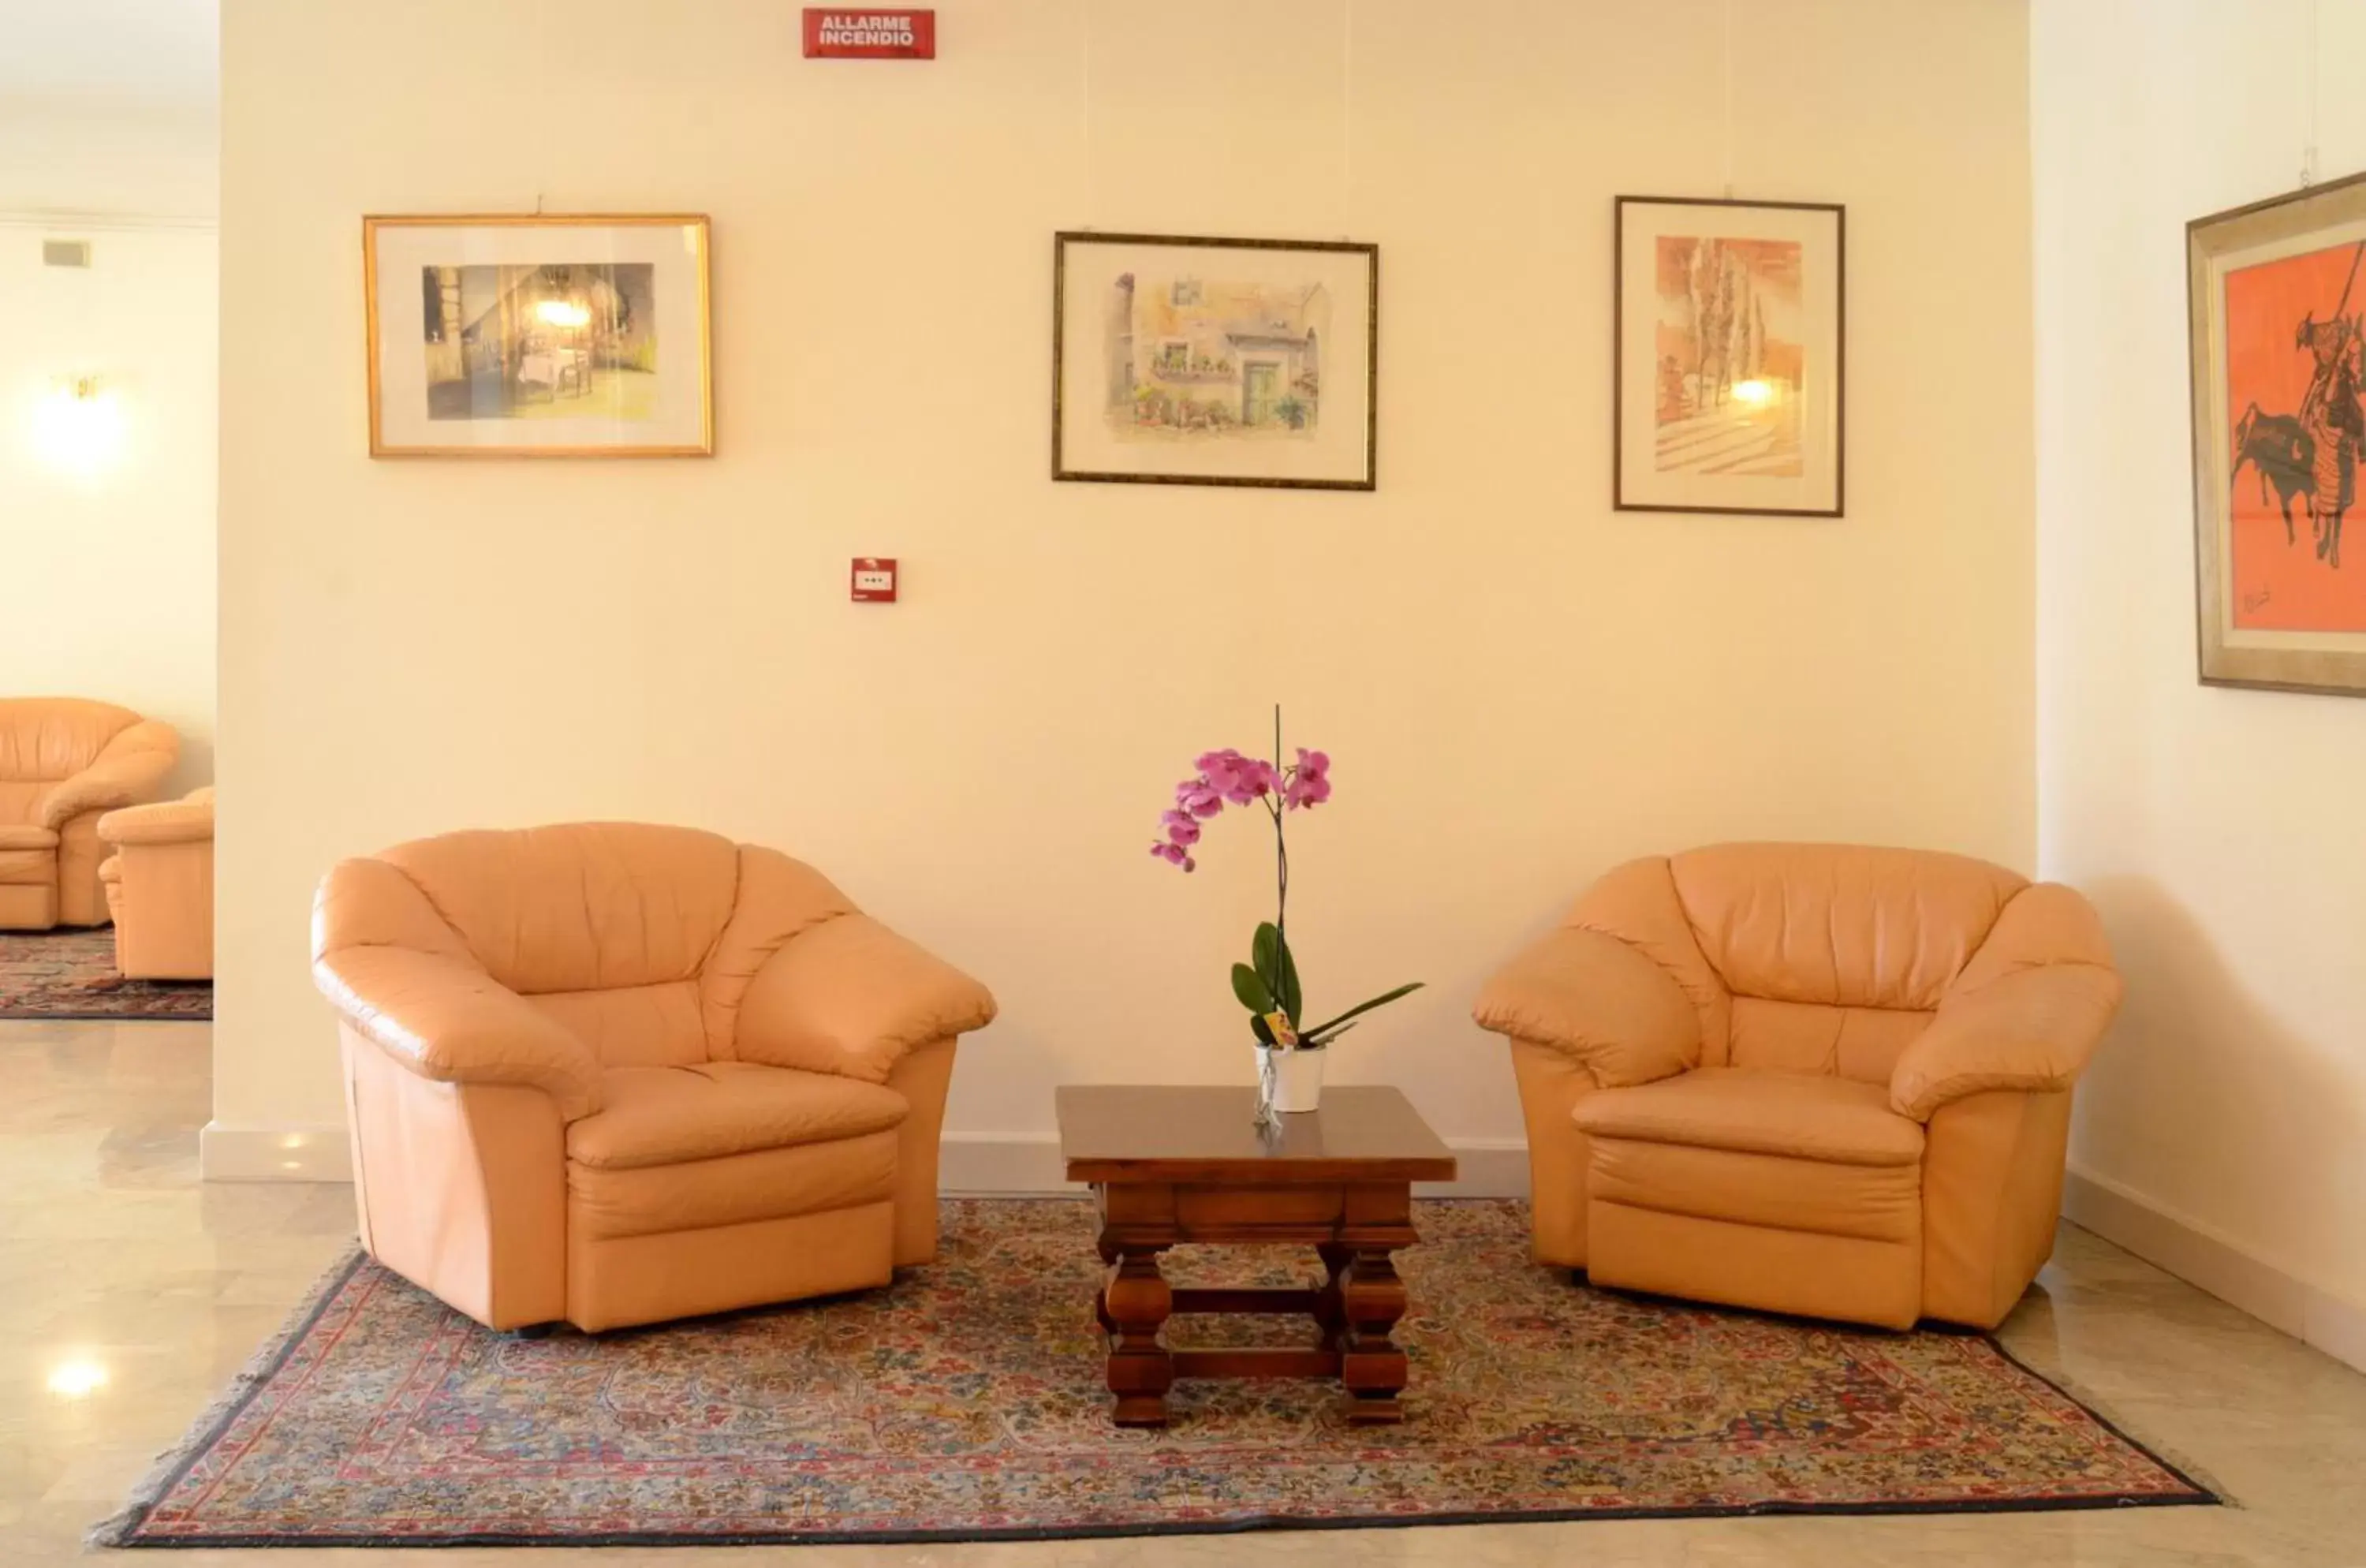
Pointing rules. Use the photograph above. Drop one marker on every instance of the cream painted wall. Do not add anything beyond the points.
(109, 573)
(2217, 829)
(1519, 685)
(148, 161)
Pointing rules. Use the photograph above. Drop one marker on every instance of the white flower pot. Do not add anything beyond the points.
(1296, 1077)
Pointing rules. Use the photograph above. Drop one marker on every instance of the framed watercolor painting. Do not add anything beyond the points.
(536, 336)
(2275, 296)
(1729, 365)
(1214, 362)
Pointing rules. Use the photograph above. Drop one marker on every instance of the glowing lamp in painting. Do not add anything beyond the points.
(77, 1378)
(80, 426)
(563, 314)
(1754, 392)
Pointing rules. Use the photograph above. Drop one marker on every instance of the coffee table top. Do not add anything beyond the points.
(1145, 1132)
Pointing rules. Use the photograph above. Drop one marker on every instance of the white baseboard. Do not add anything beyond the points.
(1014, 1164)
(2204, 1256)
(251, 1151)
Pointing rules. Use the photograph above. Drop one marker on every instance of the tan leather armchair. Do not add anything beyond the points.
(64, 763)
(1808, 1078)
(614, 1073)
(160, 887)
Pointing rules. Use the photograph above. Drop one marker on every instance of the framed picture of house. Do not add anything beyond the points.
(2275, 295)
(1214, 362)
(1729, 362)
(538, 336)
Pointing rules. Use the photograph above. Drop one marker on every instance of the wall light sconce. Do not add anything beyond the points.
(80, 426)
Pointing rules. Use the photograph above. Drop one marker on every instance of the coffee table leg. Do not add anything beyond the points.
(1371, 1366)
(1330, 1313)
(1135, 1302)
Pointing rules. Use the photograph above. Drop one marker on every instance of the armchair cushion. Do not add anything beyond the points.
(2033, 1029)
(673, 1115)
(46, 738)
(26, 837)
(1793, 1115)
(129, 769)
(850, 997)
(1870, 1202)
(1599, 999)
(779, 898)
(1840, 925)
(579, 906)
(445, 1019)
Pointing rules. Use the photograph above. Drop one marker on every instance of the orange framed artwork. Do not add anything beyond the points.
(2276, 291)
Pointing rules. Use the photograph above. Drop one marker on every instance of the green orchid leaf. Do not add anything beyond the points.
(1382, 1000)
(1265, 951)
(1286, 990)
(1320, 1040)
(1251, 990)
(1258, 1027)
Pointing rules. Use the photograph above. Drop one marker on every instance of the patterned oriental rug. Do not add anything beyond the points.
(967, 1404)
(71, 974)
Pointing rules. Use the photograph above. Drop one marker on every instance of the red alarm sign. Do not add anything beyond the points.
(870, 35)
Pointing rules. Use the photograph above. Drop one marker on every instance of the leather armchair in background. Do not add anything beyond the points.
(1817, 1079)
(64, 763)
(160, 887)
(614, 1073)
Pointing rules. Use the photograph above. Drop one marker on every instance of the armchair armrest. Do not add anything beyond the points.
(166, 822)
(850, 997)
(1599, 1001)
(444, 1020)
(2033, 1029)
(131, 768)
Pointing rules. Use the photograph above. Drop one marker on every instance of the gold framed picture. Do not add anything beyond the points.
(1215, 362)
(538, 336)
(1729, 368)
(2275, 296)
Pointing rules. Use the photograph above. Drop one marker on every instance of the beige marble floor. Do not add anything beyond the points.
(115, 1261)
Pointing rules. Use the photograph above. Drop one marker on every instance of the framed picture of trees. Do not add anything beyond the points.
(1730, 360)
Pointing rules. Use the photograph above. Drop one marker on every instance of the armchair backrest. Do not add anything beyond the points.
(1812, 958)
(639, 939)
(44, 739)
(602, 925)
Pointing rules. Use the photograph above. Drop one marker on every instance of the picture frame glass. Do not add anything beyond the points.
(2277, 295)
(1189, 361)
(1729, 368)
(538, 336)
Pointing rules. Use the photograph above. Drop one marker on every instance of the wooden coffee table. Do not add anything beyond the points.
(1191, 1165)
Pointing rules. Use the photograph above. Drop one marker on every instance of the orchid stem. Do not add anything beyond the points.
(1280, 859)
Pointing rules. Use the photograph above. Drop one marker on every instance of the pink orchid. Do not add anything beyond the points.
(1269, 986)
(1196, 796)
(1237, 778)
(1309, 780)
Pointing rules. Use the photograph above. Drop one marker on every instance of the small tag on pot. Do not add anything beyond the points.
(1284, 1037)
